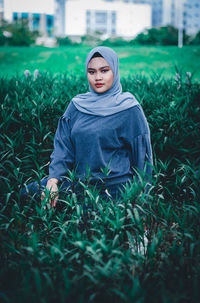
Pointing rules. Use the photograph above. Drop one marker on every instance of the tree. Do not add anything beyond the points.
(196, 39)
(17, 34)
(165, 35)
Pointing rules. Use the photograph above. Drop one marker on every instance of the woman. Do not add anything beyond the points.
(102, 129)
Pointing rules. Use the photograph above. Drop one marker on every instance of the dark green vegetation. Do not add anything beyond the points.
(17, 34)
(46, 257)
(166, 35)
(134, 60)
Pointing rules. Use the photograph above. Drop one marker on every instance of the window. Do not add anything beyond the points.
(49, 19)
(100, 17)
(113, 31)
(36, 21)
(102, 30)
(15, 16)
(88, 21)
(24, 15)
(88, 14)
(113, 18)
(101, 21)
(88, 17)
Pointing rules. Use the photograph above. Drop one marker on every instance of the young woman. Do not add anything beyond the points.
(101, 129)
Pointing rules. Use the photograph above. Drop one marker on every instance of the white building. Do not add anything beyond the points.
(59, 17)
(178, 13)
(79, 17)
(123, 18)
(40, 14)
(183, 13)
(1, 10)
(110, 18)
(191, 16)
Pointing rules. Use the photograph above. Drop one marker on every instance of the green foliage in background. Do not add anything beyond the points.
(117, 41)
(65, 41)
(17, 34)
(142, 248)
(133, 60)
(196, 39)
(155, 36)
(166, 35)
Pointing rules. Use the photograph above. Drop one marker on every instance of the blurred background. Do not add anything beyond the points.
(115, 23)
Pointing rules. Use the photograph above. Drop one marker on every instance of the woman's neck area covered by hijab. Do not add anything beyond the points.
(111, 101)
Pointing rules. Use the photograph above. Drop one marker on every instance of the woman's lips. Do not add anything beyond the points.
(99, 84)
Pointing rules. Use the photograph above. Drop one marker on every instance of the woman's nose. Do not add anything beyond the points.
(98, 76)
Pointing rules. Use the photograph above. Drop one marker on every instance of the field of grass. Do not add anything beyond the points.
(133, 60)
(51, 255)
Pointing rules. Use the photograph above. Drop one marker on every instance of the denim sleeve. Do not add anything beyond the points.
(62, 157)
(142, 155)
(140, 142)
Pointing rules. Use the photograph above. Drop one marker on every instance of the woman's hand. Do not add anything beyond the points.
(52, 187)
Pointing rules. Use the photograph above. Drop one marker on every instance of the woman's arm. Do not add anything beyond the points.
(62, 159)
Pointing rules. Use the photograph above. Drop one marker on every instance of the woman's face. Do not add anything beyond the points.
(100, 75)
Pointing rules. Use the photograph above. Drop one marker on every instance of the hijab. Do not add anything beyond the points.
(113, 100)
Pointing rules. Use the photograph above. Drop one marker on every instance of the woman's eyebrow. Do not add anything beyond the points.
(90, 68)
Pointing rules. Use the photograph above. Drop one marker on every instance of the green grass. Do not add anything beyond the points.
(133, 60)
(52, 255)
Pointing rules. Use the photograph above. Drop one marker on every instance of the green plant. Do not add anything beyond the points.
(166, 35)
(142, 248)
(117, 41)
(17, 34)
(64, 41)
(195, 40)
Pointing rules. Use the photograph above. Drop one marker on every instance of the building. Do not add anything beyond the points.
(110, 19)
(183, 13)
(178, 13)
(39, 14)
(59, 17)
(79, 17)
(124, 18)
(1, 11)
(156, 5)
(157, 10)
(191, 16)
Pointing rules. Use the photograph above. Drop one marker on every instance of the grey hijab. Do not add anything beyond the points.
(113, 100)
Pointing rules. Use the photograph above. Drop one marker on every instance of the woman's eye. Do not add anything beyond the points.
(105, 70)
(91, 72)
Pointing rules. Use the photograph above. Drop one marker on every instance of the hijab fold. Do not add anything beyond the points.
(113, 100)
